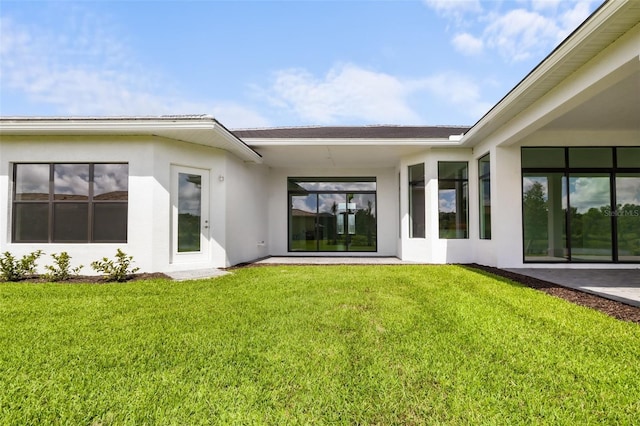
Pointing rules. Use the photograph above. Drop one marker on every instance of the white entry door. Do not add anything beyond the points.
(189, 215)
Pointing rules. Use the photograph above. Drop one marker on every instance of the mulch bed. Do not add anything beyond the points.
(612, 308)
(97, 279)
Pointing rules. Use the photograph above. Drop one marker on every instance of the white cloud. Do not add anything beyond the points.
(88, 71)
(346, 92)
(447, 201)
(627, 190)
(455, 9)
(517, 34)
(459, 90)
(587, 193)
(572, 18)
(467, 44)
(545, 4)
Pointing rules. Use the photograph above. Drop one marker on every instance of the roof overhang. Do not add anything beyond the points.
(201, 130)
(342, 153)
(599, 61)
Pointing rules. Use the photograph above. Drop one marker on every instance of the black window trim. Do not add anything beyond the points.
(51, 202)
(566, 172)
(481, 179)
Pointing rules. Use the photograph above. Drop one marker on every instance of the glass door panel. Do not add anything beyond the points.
(302, 222)
(331, 224)
(628, 215)
(590, 220)
(332, 215)
(362, 222)
(190, 215)
(189, 212)
(544, 217)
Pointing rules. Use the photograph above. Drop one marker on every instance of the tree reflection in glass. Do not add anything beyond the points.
(628, 216)
(189, 212)
(590, 201)
(544, 217)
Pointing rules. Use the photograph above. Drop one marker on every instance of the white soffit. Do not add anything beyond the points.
(201, 130)
(342, 152)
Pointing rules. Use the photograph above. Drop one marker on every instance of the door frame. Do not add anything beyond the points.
(203, 255)
(344, 214)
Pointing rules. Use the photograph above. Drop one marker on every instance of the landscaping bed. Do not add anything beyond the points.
(613, 308)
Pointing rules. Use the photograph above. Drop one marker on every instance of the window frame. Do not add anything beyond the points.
(293, 189)
(52, 202)
(612, 170)
(418, 216)
(459, 184)
(484, 225)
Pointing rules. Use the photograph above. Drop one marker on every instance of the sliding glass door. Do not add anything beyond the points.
(332, 215)
(581, 204)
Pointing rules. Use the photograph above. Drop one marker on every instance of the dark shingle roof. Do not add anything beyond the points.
(352, 132)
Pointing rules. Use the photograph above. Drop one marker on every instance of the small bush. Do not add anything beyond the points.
(12, 269)
(61, 269)
(115, 270)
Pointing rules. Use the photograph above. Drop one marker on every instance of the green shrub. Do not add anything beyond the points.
(61, 269)
(115, 270)
(12, 269)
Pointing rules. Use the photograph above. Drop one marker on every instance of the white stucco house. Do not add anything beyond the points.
(549, 177)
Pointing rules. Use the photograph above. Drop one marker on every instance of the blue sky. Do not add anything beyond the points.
(276, 63)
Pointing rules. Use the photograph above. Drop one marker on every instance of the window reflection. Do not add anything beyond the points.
(592, 179)
(32, 182)
(453, 194)
(189, 212)
(54, 203)
(417, 228)
(302, 222)
(484, 177)
(324, 215)
(544, 216)
(111, 181)
(71, 181)
(326, 185)
(627, 214)
(589, 198)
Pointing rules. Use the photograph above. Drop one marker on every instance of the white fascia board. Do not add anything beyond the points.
(554, 60)
(612, 65)
(199, 130)
(427, 143)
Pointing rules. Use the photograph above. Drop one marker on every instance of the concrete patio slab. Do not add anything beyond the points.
(622, 285)
(330, 260)
(196, 274)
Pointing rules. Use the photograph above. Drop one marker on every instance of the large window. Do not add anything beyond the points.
(581, 204)
(416, 201)
(332, 214)
(70, 203)
(453, 194)
(484, 183)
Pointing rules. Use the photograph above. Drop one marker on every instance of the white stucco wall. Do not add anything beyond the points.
(432, 248)
(134, 151)
(247, 228)
(386, 204)
(149, 207)
(168, 153)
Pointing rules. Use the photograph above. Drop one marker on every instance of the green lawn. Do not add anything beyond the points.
(313, 345)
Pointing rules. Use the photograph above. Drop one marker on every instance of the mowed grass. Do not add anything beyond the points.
(313, 345)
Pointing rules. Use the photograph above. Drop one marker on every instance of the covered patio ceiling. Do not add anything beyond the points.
(324, 154)
(617, 108)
